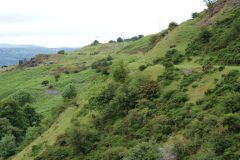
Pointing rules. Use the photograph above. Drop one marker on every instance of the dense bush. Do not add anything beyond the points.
(172, 25)
(102, 65)
(144, 151)
(120, 72)
(69, 92)
(44, 83)
(7, 146)
(195, 15)
(22, 97)
(150, 90)
(82, 139)
(142, 67)
(61, 52)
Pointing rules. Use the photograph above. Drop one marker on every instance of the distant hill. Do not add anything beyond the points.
(10, 54)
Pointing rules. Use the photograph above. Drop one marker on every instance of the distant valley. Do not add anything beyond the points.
(11, 54)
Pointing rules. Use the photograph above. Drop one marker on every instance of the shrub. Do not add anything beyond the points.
(232, 121)
(115, 153)
(31, 133)
(144, 151)
(172, 25)
(232, 103)
(142, 67)
(61, 52)
(69, 92)
(11, 110)
(205, 35)
(7, 146)
(44, 83)
(149, 90)
(195, 15)
(119, 40)
(96, 42)
(22, 97)
(57, 76)
(112, 41)
(179, 150)
(82, 139)
(120, 73)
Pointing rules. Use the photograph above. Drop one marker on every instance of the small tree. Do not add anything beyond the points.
(45, 83)
(144, 151)
(61, 52)
(57, 76)
(120, 73)
(96, 42)
(119, 40)
(7, 146)
(172, 25)
(22, 97)
(69, 92)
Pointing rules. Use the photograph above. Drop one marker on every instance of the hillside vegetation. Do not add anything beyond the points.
(172, 95)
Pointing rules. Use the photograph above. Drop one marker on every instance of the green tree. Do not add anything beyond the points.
(7, 146)
(119, 40)
(44, 83)
(57, 76)
(11, 110)
(82, 139)
(31, 114)
(69, 92)
(144, 151)
(96, 42)
(61, 52)
(22, 97)
(120, 72)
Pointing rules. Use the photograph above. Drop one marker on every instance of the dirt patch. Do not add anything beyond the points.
(53, 92)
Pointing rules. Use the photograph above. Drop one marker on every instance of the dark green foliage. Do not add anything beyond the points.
(232, 121)
(115, 153)
(53, 153)
(221, 42)
(168, 76)
(190, 78)
(102, 65)
(82, 139)
(32, 116)
(119, 40)
(11, 110)
(44, 83)
(150, 90)
(205, 35)
(142, 67)
(195, 15)
(120, 72)
(61, 52)
(172, 25)
(57, 76)
(7, 146)
(6, 128)
(112, 41)
(22, 97)
(69, 92)
(95, 42)
(179, 150)
(144, 151)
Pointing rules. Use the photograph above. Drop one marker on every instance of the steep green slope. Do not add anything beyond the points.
(135, 99)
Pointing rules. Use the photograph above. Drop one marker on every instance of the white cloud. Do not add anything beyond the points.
(78, 22)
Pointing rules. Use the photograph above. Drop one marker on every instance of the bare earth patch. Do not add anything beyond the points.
(53, 92)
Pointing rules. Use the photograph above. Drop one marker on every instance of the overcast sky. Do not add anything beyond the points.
(74, 23)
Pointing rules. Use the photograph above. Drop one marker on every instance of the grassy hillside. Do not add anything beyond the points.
(171, 95)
